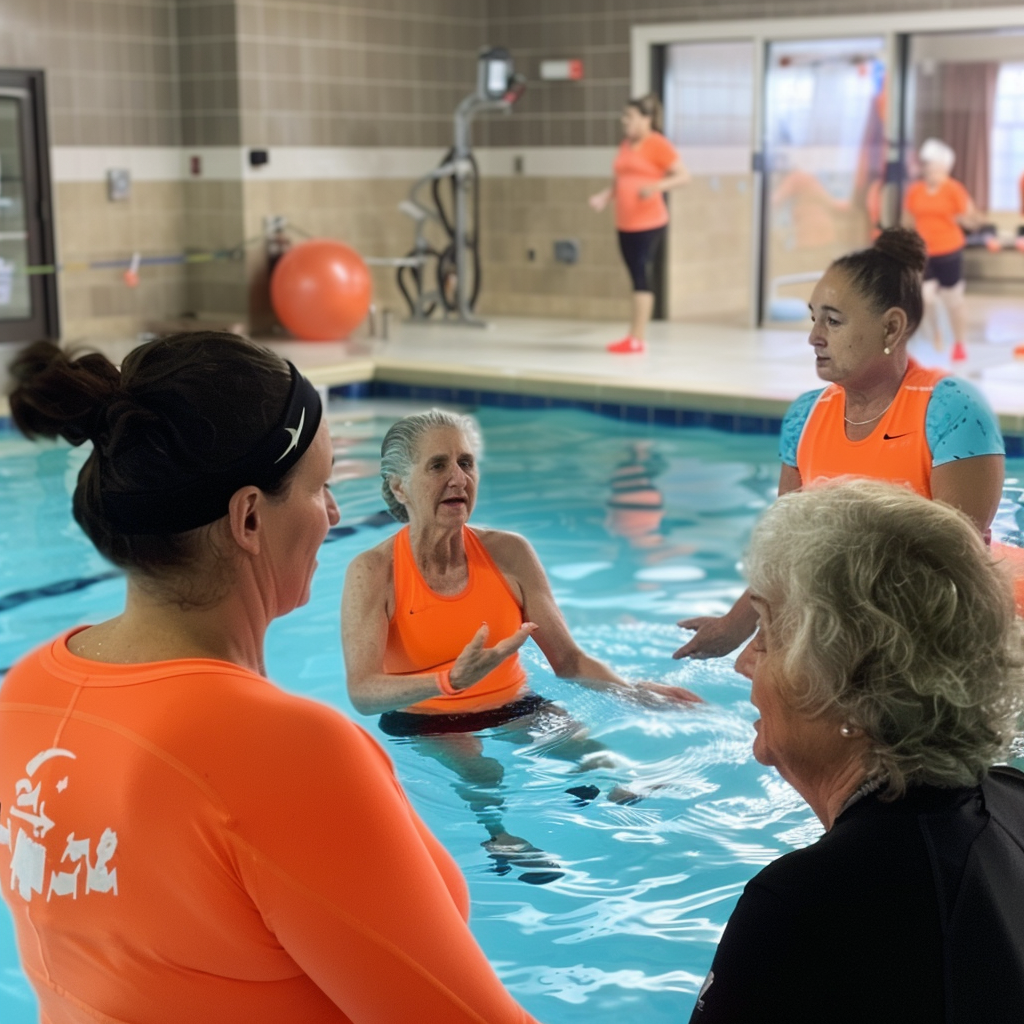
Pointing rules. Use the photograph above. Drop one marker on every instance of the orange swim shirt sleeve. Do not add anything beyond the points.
(354, 886)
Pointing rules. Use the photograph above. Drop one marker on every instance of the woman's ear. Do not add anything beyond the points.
(894, 326)
(395, 482)
(245, 518)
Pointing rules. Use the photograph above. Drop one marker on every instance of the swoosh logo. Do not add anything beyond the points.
(294, 442)
(892, 437)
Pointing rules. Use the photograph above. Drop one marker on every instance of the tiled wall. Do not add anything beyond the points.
(98, 302)
(112, 80)
(208, 62)
(598, 32)
(111, 67)
(323, 73)
(346, 73)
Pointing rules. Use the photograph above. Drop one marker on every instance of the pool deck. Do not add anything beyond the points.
(715, 368)
(705, 368)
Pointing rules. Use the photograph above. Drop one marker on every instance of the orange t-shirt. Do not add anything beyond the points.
(183, 841)
(428, 631)
(896, 450)
(935, 215)
(636, 166)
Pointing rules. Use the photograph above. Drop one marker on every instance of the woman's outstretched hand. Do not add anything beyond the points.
(599, 200)
(715, 636)
(657, 695)
(476, 660)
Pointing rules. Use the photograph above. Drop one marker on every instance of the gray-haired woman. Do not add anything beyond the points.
(432, 619)
(887, 670)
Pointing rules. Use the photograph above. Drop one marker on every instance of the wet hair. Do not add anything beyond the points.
(888, 612)
(889, 274)
(649, 106)
(398, 449)
(178, 408)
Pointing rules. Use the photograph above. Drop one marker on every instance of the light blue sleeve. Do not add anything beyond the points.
(960, 424)
(793, 425)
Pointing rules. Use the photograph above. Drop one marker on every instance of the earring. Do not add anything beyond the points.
(887, 350)
(846, 730)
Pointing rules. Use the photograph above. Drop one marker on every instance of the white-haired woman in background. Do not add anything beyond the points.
(938, 207)
(887, 671)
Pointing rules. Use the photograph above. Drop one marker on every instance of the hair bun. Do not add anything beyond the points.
(55, 394)
(904, 246)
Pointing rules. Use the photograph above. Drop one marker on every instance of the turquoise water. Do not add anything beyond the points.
(629, 929)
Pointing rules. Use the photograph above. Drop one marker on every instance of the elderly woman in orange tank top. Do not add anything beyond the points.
(433, 618)
(882, 415)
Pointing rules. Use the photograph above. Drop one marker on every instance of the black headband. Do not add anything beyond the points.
(205, 498)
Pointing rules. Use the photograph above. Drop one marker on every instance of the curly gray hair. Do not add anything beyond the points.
(891, 614)
(398, 449)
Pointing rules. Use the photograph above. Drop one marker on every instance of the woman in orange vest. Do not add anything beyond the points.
(646, 167)
(939, 208)
(180, 839)
(882, 415)
(433, 617)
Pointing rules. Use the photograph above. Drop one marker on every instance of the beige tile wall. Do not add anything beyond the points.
(111, 67)
(362, 214)
(321, 73)
(709, 254)
(208, 66)
(89, 228)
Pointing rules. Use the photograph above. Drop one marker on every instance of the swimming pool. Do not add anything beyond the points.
(629, 929)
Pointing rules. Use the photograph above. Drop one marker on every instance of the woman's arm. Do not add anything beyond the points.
(364, 637)
(716, 635)
(519, 562)
(972, 485)
(356, 889)
(599, 200)
(675, 176)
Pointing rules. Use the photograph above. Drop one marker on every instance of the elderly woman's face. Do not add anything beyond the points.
(442, 484)
(804, 749)
(848, 336)
(934, 172)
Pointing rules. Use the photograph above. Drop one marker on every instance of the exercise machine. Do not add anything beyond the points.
(449, 279)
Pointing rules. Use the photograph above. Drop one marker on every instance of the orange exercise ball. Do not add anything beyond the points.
(320, 290)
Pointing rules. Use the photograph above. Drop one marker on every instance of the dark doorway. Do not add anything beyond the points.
(28, 300)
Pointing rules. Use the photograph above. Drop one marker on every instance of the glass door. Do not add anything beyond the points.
(825, 154)
(709, 117)
(28, 301)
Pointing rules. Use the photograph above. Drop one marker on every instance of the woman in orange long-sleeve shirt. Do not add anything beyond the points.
(185, 841)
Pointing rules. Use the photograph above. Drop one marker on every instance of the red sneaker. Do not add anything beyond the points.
(959, 353)
(627, 346)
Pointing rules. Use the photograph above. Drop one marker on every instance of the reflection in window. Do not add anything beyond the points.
(1007, 163)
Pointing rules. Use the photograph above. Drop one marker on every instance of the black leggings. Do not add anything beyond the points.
(638, 249)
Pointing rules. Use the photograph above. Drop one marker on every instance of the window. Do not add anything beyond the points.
(1007, 162)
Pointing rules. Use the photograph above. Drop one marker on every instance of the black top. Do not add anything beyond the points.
(910, 912)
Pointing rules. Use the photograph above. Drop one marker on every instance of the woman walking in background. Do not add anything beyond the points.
(938, 207)
(646, 167)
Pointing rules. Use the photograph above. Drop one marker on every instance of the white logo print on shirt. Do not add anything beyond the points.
(30, 857)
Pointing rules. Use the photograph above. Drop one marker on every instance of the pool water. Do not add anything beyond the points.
(628, 929)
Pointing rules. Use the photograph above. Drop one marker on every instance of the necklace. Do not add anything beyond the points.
(861, 423)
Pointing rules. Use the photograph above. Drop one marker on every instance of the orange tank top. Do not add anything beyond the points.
(428, 631)
(896, 450)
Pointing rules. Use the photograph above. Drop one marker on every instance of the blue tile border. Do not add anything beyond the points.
(662, 416)
(648, 415)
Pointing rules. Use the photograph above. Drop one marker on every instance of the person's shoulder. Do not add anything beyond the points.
(662, 144)
(800, 408)
(503, 546)
(376, 562)
(957, 188)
